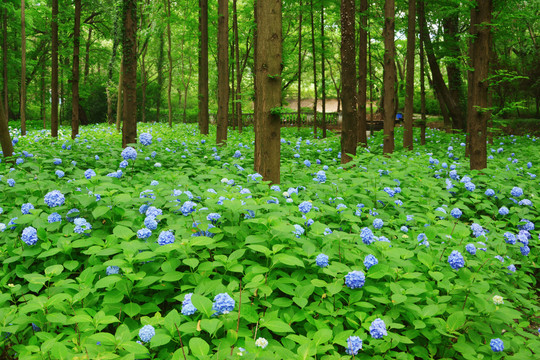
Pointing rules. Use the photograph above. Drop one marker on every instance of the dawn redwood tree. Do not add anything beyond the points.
(238, 73)
(129, 44)
(5, 60)
(268, 89)
(169, 56)
(421, 22)
(54, 69)
(203, 67)
(409, 82)
(478, 113)
(23, 70)
(161, 55)
(323, 78)
(314, 53)
(389, 77)
(455, 81)
(110, 67)
(299, 93)
(5, 138)
(362, 73)
(75, 71)
(223, 72)
(349, 132)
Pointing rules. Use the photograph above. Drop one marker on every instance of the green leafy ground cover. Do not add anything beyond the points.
(89, 285)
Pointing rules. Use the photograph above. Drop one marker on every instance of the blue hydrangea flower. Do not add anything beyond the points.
(123, 164)
(144, 233)
(378, 329)
(525, 250)
(36, 328)
(305, 207)
(320, 176)
(112, 270)
(29, 235)
(404, 229)
(213, 217)
(54, 198)
(510, 238)
(378, 223)
(188, 207)
(367, 236)
(471, 249)
(59, 173)
(307, 163)
(511, 268)
(146, 333)
(477, 230)
(470, 186)
(54, 217)
(456, 260)
(165, 237)
(129, 153)
(355, 279)
(81, 225)
(327, 231)
(497, 345)
(389, 191)
(153, 211)
(89, 173)
(525, 202)
(309, 222)
(145, 139)
(187, 307)
(456, 213)
(223, 304)
(529, 225)
(410, 217)
(341, 207)
(25, 208)
(503, 211)
(490, 192)
(516, 191)
(57, 161)
(11, 182)
(298, 230)
(370, 260)
(237, 154)
(354, 345)
(321, 260)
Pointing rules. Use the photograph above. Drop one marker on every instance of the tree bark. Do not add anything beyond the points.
(268, 89)
(455, 82)
(223, 72)
(299, 93)
(5, 61)
(159, 76)
(362, 74)
(129, 81)
(409, 85)
(87, 55)
(169, 56)
(116, 41)
(323, 77)
(203, 67)
(421, 21)
(42, 99)
(478, 113)
(314, 50)
(5, 138)
(75, 72)
(119, 98)
(144, 84)
(389, 77)
(238, 74)
(23, 70)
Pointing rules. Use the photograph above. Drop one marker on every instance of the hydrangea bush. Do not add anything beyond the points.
(402, 257)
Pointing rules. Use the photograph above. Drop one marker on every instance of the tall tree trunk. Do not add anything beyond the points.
(169, 55)
(87, 55)
(323, 77)
(455, 82)
(268, 89)
(43, 91)
(389, 77)
(442, 105)
(349, 132)
(203, 67)
(362, 74)
(5, 138)
(23, 70)
(299, 93)
(238, 73)
(129, 81)
(5, 61)
(371, 127)
(232, 86)
(314, 50)
(421, 21)
(120, 97)
(478, 114)
(75, 72)
(116, 41)
(409, 86)
(223, 72)
(159, 75)
(144, 81)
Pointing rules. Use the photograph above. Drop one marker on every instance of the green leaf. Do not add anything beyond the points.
(54, 270)
(100, 211)
(202, 304)
(123, 232)
(132, 309)
(455, 321)
(107, 281)
(199, 347)
(322, 336)
(288, 260)
(159, 340)
(277, 326)
(260, 248)
(211, 325)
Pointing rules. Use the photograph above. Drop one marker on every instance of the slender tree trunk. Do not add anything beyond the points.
(268, 89)
(362, 74)
(120, 97)
(42, 98)
(349, 132)
(478, 113)
(5, 138)
(129, 81)
(203, 67)
(5, 62)
(144, 81)
(238, 74)
(323, 77)
(314, 53)
(455, 82)
(409, 86)
(232, 79)
(159, 76)
(421, 21)
(23, 70)
(389, 77)
(169, 55)
(87, 55)
(75, 72)
(223, 72)
(299, 93)
(116, 41)
(442, 105)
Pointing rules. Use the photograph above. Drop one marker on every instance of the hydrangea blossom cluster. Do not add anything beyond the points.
(165, 237)
(54, 217)
(25, 208)
(305, 207)
(456, 213)
(89, 173)
(188, 207)
(456, 260)
(370, 260)
(516, 191)
(223, 304)
(367, 236)
(187, 306)
(54, 198)
(471, 249)
(497, 345)
(378, 329)
(355, 279)
(322, 260)
(146, 333)
(504, 211)
(144, 233)
(261, 342)
(29, 236)
(298, 230)
(111, 270)
(354, 345)
(81, 225)
(145, 139)
(378, 223)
